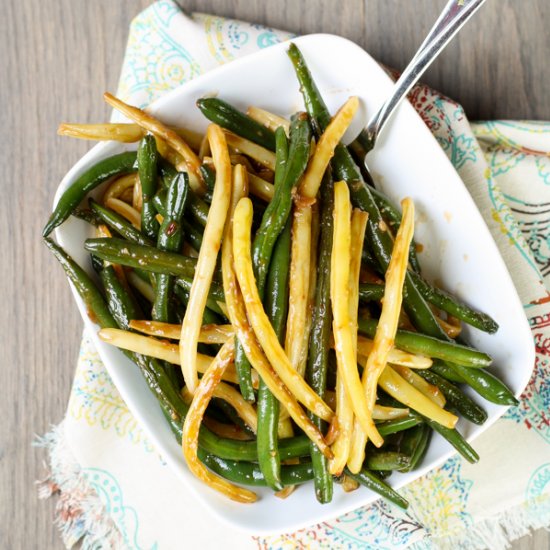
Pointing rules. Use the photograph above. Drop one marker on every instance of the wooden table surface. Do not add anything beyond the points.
(58, 56)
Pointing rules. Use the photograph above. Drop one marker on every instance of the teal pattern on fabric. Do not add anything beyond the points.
(503, 214)
(379, 527)
(536, 493)
(110, 493)
(460, 148)
(238, 38)
(165, 11)
(154, 61)
(510, 150)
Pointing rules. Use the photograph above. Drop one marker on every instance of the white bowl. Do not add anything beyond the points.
(458, 251)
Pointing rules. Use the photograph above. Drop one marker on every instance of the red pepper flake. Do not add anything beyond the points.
(172, 228)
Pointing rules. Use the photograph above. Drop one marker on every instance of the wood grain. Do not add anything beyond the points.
(58, 56)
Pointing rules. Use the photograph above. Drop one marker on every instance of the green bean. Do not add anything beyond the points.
(86, 215)
(209, 177)
(389, 427)
(232, 449)
(215, 295)
(93, 177)
(319, 339)
(278, 210)
(147, 160)
(129, 309)
(363, 144)
(247, 473)
(454, 307)
(147, 258)
(124, 307)
(192, 235)
(231, 119)
(244, 373)
(119, 224)
(466, 406)
(486, 384)
(170, 238)
(228, 413)
(267, 438)
(445, 371)
(209, 317)
(387, 460)
(453, 436)
(158, 201)
(414, 444)
(196, 207)
(414, 342)
(392, 216)
(276, 307)
(242, 364)
(161, 385)
(370, 292)
(369, 260)
(315, 106)
(440, 299)
(96, 308)
(97, 263)
(344, 168)
(374, 483)
(276, 295)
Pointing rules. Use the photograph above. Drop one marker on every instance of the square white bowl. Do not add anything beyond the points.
(458, 251)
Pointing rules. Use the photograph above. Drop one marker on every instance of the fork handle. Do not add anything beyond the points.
(453, 17)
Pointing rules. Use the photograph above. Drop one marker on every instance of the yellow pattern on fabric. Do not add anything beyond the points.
(213, 27)
(95, 400)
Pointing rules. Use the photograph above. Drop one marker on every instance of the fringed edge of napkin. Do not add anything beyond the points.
(82, 518)
(497, 532)
(500, 531)
(80, 515)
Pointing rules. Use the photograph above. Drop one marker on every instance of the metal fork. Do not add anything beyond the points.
(453, 17)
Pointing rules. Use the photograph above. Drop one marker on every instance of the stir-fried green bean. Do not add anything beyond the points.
(170, 238)
(276, 306)
(319, 340)
(147, 160)
(144, 257)
(228, 117)
(99, 173)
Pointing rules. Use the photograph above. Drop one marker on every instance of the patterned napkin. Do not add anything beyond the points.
(116, 492)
